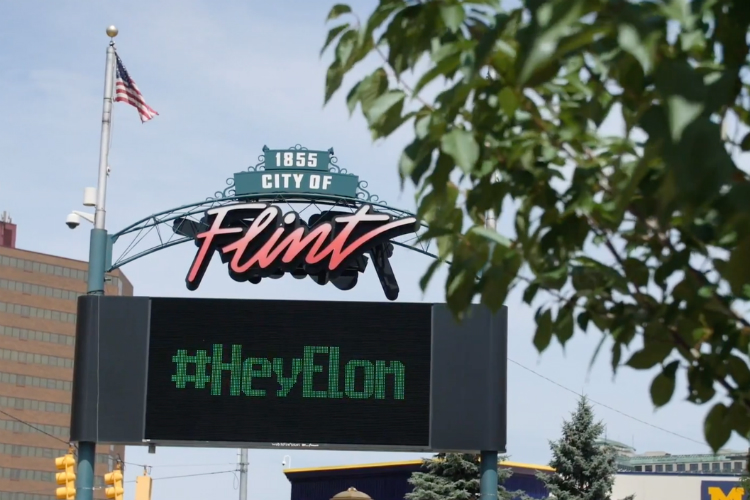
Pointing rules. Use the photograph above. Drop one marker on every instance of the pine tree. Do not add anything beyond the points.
(454, 476)
(584, 470)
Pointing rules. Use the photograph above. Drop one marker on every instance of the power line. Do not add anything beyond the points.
(35, 427)
(190, 475)
(606, 406)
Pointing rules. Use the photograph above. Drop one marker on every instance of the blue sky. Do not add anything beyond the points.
(228, 77)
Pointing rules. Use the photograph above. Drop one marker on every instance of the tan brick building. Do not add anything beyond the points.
(38, 295)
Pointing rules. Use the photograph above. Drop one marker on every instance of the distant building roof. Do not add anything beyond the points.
(407, 463)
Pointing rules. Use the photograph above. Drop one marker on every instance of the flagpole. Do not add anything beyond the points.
(98, 253)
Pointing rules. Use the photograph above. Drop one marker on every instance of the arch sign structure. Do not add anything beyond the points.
(310, 218)
(278, 373)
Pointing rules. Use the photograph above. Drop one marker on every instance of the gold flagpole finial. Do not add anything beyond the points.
(112, 31)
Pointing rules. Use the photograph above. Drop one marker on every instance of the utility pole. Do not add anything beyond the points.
(243, 473)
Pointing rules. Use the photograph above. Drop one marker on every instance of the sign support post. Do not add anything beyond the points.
(488, 481)
(98, 253)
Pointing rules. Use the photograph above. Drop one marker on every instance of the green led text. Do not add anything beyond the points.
(317, 363)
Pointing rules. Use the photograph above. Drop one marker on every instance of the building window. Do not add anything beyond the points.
(20, 427)
(39, 267)
(638, 468)
(705, 467)
(648, 468)
(43, 291)
(33, 405)
(716, 466)
(739, 466)
(37, 359)
(659, 468)
(693, 467)
(668, 468)
(726, 467)
(680, 467)
(35, 312)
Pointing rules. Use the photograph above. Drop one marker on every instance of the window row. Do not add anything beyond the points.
(19, 450)
(37, 475)
(723, 467)
(44, 383)
(37, 359)
(33, 405)
(43, 291)
(36, 312)
(16, 426)
(24, 334)
(39, 267)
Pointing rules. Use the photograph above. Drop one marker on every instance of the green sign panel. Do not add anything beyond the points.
(296, 171)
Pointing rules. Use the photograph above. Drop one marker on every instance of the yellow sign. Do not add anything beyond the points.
(722, 490)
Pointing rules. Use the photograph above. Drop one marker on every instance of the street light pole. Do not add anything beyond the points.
(98, 254)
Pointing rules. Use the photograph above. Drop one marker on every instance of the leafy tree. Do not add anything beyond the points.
(454, 476)
(644, 234)
(584, 470)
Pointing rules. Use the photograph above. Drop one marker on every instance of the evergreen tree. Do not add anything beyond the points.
(584, 469)
(455, 476)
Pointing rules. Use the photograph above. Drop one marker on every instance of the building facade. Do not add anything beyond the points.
(38, 303)
(687, 486)
(725, 462)
(390, 480)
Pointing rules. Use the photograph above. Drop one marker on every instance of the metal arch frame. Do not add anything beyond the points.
(158, 223)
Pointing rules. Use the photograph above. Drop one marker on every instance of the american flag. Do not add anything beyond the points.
(127, 91)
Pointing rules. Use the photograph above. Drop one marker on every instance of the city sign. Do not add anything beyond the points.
(289, 374)
(297, 171)
(257, 240)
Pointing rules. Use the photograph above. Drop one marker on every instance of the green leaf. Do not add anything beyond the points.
(646, 358)
(715, 429)
(662, 387)
(508, 101)
(338, 10)
(332, 34)
(383, 104)
(682, 113)
(491, 235)
(425, 280)
(738, 267)
(462, 147)
(543, 334)
(334, 77)
(637, 272)
(453, 15)
(630, 41)
(739, 371)
(745, 144)
(564, 324)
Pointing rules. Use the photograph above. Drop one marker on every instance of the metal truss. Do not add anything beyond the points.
(156, 232)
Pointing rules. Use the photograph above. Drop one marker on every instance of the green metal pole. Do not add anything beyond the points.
(98, 256)
(488, 481)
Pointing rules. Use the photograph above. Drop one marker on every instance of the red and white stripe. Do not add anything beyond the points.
(127, 91)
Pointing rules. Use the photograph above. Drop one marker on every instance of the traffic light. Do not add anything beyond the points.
(143, 487)
(66, 463)
(114, 479)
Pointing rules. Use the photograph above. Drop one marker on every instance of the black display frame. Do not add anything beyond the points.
(468, 378)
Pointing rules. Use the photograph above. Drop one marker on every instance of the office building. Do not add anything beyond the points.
(725, 462)
(38, 296)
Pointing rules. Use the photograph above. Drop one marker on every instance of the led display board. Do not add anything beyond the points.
(289, 374)
(342, 373)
